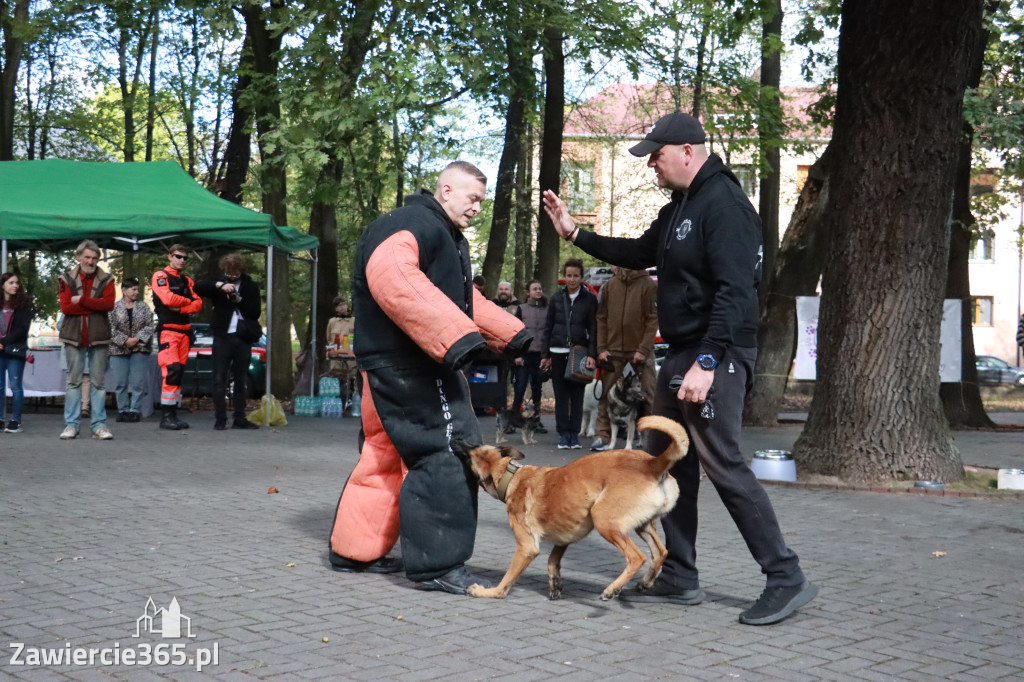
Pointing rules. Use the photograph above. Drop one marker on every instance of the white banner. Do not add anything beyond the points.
(805, 363)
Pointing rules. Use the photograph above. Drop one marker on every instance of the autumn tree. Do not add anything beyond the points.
(902, 72)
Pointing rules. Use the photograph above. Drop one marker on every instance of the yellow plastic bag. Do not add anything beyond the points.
(272, 406)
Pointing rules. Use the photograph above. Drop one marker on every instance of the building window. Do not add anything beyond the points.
(578, 180)
(747, 177)
(983, 246)
(981, 308)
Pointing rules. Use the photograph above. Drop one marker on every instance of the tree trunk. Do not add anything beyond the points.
(902, 71)
(323, 224)
(551, 154)
(961, 401)
(266, 46)
(524, 233)
(769, 136)
(238, 151)
(502, 218)
(151, 88)
(12, 27)
(797, 271)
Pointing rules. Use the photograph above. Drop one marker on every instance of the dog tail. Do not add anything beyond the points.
(677, 448)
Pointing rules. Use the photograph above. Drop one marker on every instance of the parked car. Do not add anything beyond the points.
(992, 370)
(198, 378)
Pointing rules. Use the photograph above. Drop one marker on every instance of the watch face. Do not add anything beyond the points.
(707, 361)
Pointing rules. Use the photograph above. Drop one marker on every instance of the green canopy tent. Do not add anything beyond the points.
(54, 204)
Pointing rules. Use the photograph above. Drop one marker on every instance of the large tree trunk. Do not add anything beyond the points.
(961, 401)
(502, 218)
(551, 154)
(266, 46)
(323, 224)
(238, 151)
(12, 27)
(797, 271)
(769, 135)
(356, 41)
(524, 231)
(902, 72)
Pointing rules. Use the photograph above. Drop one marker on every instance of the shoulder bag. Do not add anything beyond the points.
(576, 366)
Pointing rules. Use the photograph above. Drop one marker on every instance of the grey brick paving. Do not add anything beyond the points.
(89, 530)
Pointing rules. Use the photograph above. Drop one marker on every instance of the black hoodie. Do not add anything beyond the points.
(706, 244)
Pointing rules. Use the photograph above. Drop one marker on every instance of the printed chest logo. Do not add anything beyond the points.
(684, 229)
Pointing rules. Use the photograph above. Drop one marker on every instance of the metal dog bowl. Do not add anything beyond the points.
(773, 465)
(930, 485)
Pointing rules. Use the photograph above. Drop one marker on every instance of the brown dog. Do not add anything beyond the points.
(615, 492)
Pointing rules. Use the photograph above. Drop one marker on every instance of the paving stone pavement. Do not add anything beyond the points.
(913, 587)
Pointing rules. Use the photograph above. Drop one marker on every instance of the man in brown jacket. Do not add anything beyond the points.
(627, 322)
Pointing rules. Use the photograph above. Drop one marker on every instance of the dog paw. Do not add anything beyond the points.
(554, 588)
(609, 594)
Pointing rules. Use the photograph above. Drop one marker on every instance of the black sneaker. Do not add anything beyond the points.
(776, 603)
(662, 592)
(385, 564)
(540, 429)
(123, 417)
(220, 423)
(456, 581)
(13, 426)
(243, 424)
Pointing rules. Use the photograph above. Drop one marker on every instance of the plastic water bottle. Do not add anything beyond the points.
(357, 410)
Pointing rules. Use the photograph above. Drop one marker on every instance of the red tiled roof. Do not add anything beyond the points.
(629, 109)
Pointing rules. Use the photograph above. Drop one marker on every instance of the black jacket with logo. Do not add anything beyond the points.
(706, 244)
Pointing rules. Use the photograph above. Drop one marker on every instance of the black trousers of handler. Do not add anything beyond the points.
(714, 444)
(422, 408)
(231, 357)
(568, 397)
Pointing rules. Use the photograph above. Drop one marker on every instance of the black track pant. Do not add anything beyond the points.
(715, 443)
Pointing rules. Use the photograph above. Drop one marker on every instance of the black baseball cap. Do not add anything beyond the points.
(677, 128)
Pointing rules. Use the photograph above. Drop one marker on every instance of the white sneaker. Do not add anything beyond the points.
(69, 433)
(102, 433)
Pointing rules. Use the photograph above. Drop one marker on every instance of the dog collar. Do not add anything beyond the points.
(502, 485)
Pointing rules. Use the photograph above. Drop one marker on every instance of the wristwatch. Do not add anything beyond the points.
(707, 361)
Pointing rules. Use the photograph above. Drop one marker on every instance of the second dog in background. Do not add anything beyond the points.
(509, 421)
(625, 399)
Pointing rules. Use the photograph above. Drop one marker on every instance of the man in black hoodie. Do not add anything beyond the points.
(706, 244)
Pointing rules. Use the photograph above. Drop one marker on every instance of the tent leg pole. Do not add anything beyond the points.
(3, 256)
(270, 327)
(312, 340)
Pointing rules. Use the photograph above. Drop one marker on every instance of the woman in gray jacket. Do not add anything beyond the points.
(533, 313)
(131, 341)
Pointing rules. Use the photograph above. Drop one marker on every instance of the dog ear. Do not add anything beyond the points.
(511, 452)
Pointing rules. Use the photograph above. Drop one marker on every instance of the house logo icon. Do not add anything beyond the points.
(164, 622)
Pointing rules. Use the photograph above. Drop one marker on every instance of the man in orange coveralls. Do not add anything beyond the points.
(173, 301)
(419, 320)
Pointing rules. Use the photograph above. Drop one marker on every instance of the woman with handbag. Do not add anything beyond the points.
(15, 319)
(131, 342)
(571, 351)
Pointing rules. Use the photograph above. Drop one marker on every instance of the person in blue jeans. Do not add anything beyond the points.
(131, 342)
(15, 319)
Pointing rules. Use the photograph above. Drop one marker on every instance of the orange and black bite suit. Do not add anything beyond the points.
(419, 320)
